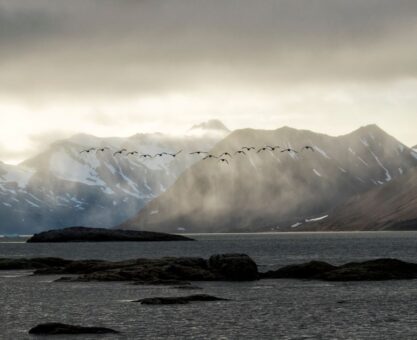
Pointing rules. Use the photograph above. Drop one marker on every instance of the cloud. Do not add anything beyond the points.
(111, 67)
(123, 48)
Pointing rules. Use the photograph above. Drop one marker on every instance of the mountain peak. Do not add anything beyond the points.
(210, 125)
(371, 128)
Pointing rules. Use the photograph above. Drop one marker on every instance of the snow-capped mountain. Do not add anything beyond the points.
(62, 187)
(274, 190)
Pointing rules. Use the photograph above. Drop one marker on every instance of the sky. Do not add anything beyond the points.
(119, 67)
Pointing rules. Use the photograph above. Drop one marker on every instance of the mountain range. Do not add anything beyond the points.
(365, 180)
(62, 187)
(284, 191)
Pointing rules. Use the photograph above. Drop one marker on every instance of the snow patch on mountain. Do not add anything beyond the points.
(365, 142)
(316, 219)
(322, 152)
(32, 203)
(388, 176)
(364, 162)
(317, 173)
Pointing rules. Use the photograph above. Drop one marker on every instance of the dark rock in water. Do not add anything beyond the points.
(181, 300)
(55, 328)
(153, 271)
(167, 270)
(188, 287)
(308, 270)
(234, 267)
(83, 234)
(163, 283)
(33, 263)
(374, 270)
(342, 302)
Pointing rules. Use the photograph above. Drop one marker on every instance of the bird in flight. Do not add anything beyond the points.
(273, 148)
(289, 150)
(198, 152)
(263, 149)
(102, 149)
(209, 156)
(174, 154)
(224, 160)
(119, 152)
(225, 154)
(132, 153)
(146, 155)
(160, 154)
(307, 147)
(88, 150)
(240, 152)
(248, 148)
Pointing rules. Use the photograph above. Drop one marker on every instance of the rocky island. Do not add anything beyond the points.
(85, 234)
(223, 267)
(373, 270)
(56, 328)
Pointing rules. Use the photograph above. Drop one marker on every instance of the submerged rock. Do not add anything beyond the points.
(54, 328)
(374, 270)
(84, 234)
(178, 300)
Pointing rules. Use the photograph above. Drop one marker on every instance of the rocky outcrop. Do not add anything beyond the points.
(84, 234)
(32, 263)
(55, 328)
(236, 267)
(308, 270)
(225, 267)
(178, 300)
(168, 270)
(375, 270)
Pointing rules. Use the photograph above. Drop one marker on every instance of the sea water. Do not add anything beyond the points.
(266, 309)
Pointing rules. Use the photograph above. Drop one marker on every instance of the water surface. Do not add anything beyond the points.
(268, 309)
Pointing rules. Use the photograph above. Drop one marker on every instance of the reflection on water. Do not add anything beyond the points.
(268, 309)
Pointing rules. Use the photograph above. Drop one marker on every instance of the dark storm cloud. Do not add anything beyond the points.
(104, 46)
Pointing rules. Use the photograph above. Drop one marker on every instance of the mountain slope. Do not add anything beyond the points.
(273, 190)
(392, 206)
(61, 187)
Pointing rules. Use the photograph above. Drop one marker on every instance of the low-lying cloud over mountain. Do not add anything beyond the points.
(273, 190)
(62, 187)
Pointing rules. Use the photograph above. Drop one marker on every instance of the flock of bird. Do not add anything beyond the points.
(221, 158)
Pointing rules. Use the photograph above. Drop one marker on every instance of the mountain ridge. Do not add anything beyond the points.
(62, 187)
(204, 199)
